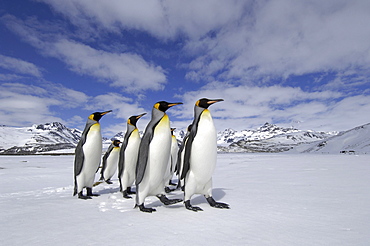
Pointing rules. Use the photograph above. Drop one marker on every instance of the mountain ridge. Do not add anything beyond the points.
(55, 137)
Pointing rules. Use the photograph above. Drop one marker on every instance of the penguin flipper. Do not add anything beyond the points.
(179, 153)
(79, 153)
(105, 157)
(78, 163)
(79, 159)
(186, 165)
(189, 143)
(143, 155)
(121, 160)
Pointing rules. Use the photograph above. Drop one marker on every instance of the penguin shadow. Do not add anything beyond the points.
(217, 194)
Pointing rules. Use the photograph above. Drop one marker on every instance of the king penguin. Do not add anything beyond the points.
(154, 152)
(110, 161)
(88, 155)
(128, 156)
(172, 161)
(201, 156)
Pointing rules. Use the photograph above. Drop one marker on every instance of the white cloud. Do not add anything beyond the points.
(247, 107)
(243, 40)
(9, 77)
(127, 70)
(19, 66)
(122, 107)
(22, 105)
(161, 18)
(248, 45)
(284, 38)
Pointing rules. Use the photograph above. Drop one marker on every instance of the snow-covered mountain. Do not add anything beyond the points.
(57, 138)
(267, 138)
(356, 140)
(37, 138)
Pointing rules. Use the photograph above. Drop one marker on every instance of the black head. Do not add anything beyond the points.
(133, 119)
(116, 143)
(97, 115)
(172, 129)
(163, 106)
(205, 102)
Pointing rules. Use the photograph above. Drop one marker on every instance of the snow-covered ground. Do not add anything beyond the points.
(275, 199)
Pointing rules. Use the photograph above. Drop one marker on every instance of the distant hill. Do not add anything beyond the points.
(37, 138)
(269, 138)
(356, 140)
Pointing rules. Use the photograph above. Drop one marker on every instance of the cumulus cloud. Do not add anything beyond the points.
(22, 104)
(122, 107)
(242, 40)
(255, 49)
(161, 18)
(247, 107)
(283, 38)
(125, 70)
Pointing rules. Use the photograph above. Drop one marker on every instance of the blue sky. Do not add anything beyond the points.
(293, 63)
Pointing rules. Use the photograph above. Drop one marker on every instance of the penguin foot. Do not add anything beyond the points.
(125, 195)
(192, 208)
(144, 209)
(167, 201)
(89, 192)
(168, 189)
(81, 196)
(215, 204)
(130, 192)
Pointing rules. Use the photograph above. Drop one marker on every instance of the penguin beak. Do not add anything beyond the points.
(174, 104)
(210, 102)
(106, 112)
(172, 129)
(141, 115)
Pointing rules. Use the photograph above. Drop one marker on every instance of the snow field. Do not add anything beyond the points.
(275, 199)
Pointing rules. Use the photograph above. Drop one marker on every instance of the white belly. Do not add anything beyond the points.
(92, 154)
(111, 163)
(131, 154)
(204, 149)
(159, 152)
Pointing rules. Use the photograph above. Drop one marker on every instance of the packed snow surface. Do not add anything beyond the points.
(275, 199)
